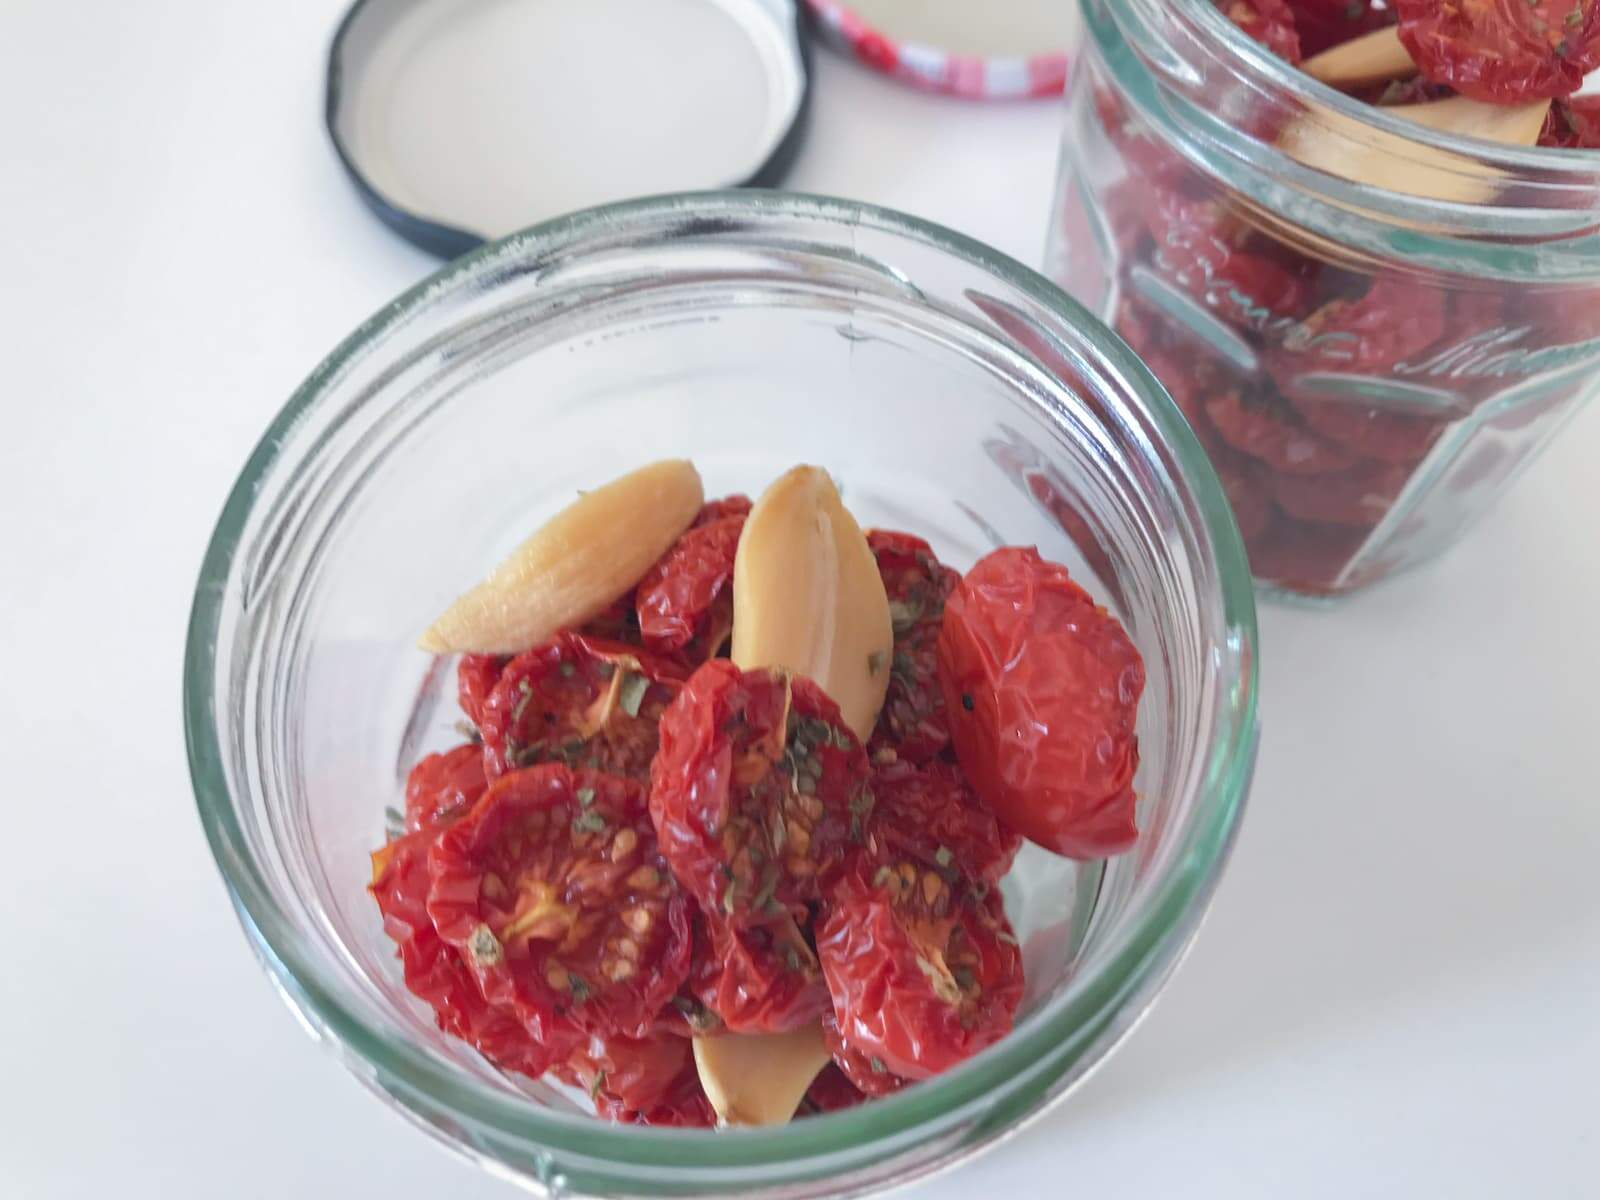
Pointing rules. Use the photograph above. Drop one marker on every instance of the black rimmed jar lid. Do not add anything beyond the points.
(462, 121)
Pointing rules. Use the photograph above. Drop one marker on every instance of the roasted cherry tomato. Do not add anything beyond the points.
(435, 973)
(1042, 687)
(1263, 430)
(476, 675)
(1324, 24)
(1270, 22)
(912, 722)
(1503, 51)
(830, 1091)
(757, 979)
(923, 973)
(758, 789)
(1573, 124)
(443, 786)
(864, 1072)
(930, 816)
(554, 892)
(581, 701)
(735, 505)
(642, 1081)
(685, 601)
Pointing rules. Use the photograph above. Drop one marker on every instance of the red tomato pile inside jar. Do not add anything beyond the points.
(1359, 409)
(651, 852)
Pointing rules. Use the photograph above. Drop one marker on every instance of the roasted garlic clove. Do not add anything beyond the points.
(576, 564)
(807, 596)
(759, 1079)
(1375, 57)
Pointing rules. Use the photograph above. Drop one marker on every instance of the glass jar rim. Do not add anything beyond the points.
(1567, 182)
(1163, 926)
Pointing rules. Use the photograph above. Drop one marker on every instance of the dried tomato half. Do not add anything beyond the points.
(1264, 431)
(923, 973)
(1573, 124)
(864, 1072)
(1324, 24)
(735, 505)
(557, 897)
(435, 973)
(581, 701)
(1359, 497)
(912, 722)
(757, 979)
(443, 786)
(1402, 439)
(830, 1091)
(1503, 51)
(931, 816)
(476, 675)
(619, 623)
(685, 601)
(758, 789)
(1270, 22)
(1394, 321)
(642, 1081)
(1042, 687)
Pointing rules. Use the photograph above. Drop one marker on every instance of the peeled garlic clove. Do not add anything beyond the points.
(576, 564)
(760, 1078)
(1375, 57)
(807, 596)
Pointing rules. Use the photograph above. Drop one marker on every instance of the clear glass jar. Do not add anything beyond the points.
(951, 390)
(1369, 363)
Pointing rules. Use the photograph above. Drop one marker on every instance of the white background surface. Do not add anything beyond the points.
(1398, 992)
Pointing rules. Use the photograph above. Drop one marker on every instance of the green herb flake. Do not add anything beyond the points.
(965, 980)
(597, 1083)
(567, 670)
(860, 809)
(588, 821)
(585, 796)
(942, 856)
(727, 895)
(876, 1064)
(769, 884)
(874, 662)
(469, 732)
(394, 823)
(631, 695)
(578, 988)
(791, 958)
(1575, 18)
(967, 702)
(779, 833)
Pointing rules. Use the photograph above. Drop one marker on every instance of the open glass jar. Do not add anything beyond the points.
(1372, 326)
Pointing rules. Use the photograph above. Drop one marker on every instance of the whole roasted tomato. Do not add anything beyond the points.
(735, 505)
(757, 979)
(476, 675)
(829, 1092)
(1263, 429)
(1503, 51)
(1573, 124)
(912, 722)
(581, 701)
(759, 788)
(1042, 687)
(443, 786)
(555, 894)
(1270, 22)
(642, 1081)
(930, 816)
(685, 601)
(1324, 24)
(923, 973)
(435, 973)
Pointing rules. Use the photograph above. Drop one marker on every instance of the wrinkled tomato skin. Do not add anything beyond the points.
(619, 623)
(917, 986)
(1573, 124)
(1395, 321)
(869, 1078)
(1263, 430)
(744, 837)
(736, 505)
(1503, 51)
(435, 973)
(561, 701)
(554, 893)
(1324, 24)
(830, 1091)
(758, 979)
(929, 813)
(476, 675)
(1042, 687)
(630, 1075)
(685, 601)
(443, 786)
(912, 721)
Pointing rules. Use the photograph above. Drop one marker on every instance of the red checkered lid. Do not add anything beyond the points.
(974, 75)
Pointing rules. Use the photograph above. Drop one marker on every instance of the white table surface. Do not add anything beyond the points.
(1398, 991)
